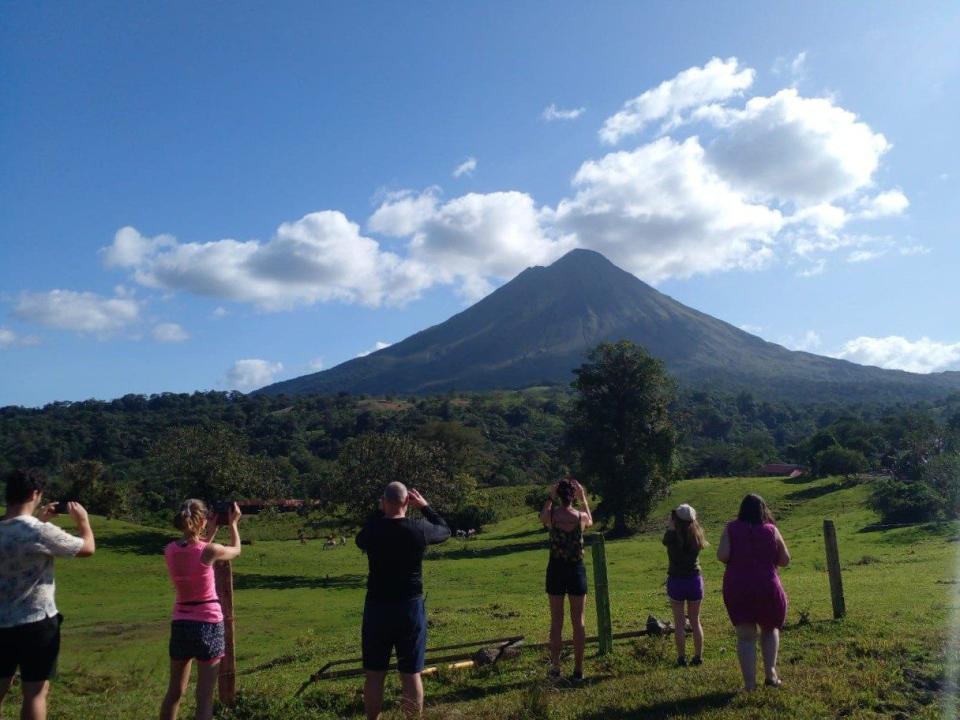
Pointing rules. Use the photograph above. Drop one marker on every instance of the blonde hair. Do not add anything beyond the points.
(191, 517)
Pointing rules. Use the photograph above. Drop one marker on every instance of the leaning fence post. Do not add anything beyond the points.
(833, 567)
(227, 682)
(604, 626)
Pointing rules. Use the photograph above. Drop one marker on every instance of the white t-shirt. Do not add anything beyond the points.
(27, 550)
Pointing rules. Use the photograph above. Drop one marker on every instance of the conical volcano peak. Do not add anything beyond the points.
(537, 328)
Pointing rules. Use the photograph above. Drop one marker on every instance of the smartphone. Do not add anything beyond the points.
(61, 507)
(221, 508)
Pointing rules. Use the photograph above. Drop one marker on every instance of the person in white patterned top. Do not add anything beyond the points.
(29, 621)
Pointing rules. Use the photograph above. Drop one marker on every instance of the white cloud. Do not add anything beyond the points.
(788, 147)
(130, 248)
(895, 352)
(858, 256)
(715, 81)
(775, 179)
(316, 365)
(660, 211)
(83, 312)
(9, 339)
(914, 250)
(169, 333)
(320, 257)
(808, 342)
(378, 345)
(466, 167)
(752, 329)
(794, 67)
(889, 202)
(220, 312)
(252, 373)
(471, 237)
(552, 113)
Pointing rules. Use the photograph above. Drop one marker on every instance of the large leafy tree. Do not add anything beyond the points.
(369, 462)
(619, 432)
(212, 463)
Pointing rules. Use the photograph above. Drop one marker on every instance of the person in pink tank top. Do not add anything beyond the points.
(197, 630)
(752, 548)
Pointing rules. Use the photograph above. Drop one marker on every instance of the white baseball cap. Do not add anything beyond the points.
(686, 513)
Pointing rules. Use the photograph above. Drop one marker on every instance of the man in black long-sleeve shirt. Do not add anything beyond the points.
(394, 615)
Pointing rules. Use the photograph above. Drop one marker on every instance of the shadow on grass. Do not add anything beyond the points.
(138, 542)
(256, 581)
(820, 490)
(686, 707)
(473, 552)
(538, 530)
(907, 534)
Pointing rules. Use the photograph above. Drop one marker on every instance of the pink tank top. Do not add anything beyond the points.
(196, 591)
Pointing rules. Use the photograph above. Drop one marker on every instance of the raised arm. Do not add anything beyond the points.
(214, 551)
(546, 514)
(783, 555)
(586, 517)
(82, 520)
(723, 549)
(434, 527)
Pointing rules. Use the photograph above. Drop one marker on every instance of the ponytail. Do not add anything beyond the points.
(191, 517)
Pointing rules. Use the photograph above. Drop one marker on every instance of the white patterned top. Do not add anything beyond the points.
(27, 550)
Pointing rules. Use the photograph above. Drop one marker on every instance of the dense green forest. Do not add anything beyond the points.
(130, 447)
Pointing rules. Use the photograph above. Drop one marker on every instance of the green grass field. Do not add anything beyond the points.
(299, 606)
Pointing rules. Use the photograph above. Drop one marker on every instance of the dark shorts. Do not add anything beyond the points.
(33, 648)
(400, 625)
(190, 639)
(565, 578)
(685, 588)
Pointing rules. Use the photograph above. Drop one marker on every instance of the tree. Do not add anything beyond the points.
(212, 463)
(369, 462)
(85, 481)
(837, 460)
(619, 432)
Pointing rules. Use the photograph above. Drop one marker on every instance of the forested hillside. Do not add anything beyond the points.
(496, 439)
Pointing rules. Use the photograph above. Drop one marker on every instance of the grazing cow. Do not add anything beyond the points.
(471, 533)
(329, 544)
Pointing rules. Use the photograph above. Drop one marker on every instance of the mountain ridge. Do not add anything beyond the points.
(537, 328)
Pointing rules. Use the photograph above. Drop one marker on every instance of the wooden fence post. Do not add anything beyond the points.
(604, 625)
(227, 682)
(833, 567)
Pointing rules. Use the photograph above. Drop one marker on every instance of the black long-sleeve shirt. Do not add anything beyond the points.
(395, 549)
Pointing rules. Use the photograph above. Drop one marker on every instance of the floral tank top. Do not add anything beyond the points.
(566, 545)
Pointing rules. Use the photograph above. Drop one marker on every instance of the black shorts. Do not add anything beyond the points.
(191, 639)
(565, 578)
(33, 648)
(388, 625)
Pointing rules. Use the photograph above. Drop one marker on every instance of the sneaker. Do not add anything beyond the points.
(577, 677)
(681, 661)
(773, 682)
(697, 660)
(554, 673)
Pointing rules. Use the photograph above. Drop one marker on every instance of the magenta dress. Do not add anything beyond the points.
(751, 585)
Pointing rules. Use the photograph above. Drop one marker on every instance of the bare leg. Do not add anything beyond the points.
(412, 691)
(207, 674)
(179, 679)
(770, 646)
(4, 686)
(679, 624)
(34, 700)
(747, 654)
(577, 604)
(693, 612)
(373, 693)
(556, 629)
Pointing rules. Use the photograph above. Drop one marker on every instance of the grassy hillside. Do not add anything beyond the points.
(299, 606)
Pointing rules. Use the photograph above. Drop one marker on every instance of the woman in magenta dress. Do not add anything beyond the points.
(752, 549)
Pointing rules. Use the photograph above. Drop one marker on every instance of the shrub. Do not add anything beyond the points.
(898, 501)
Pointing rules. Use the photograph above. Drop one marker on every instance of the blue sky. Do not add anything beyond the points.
(219, 195)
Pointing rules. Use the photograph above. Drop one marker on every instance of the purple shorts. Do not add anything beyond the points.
(685, 588)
